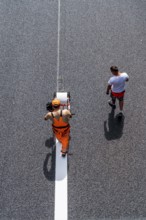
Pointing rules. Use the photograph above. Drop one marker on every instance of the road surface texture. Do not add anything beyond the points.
(107, 168)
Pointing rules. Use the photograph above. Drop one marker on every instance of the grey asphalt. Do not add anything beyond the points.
(107, 168)
(28, 79)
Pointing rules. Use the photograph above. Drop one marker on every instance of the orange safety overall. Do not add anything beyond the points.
(61, 130)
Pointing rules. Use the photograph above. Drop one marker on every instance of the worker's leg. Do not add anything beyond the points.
(121, 104)
(58, 136)
(65, 142)
(63, 138)
(112, 102)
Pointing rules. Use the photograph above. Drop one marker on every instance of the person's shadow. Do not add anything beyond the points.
(114, 128)
(50, 174)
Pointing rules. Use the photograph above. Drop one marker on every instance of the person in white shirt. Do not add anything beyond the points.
(116, 85)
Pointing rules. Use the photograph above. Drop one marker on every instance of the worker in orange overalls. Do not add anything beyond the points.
(60, 124)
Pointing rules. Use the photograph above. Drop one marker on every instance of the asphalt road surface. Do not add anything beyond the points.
(107, 168)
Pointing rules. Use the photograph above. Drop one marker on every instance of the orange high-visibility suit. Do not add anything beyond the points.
(61, 130)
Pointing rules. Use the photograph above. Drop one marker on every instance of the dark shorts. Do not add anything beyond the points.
(119, 96)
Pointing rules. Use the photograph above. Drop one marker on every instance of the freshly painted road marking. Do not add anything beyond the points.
(61, 198)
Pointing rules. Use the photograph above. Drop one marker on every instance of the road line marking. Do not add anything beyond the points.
(61, 197)
(61, 189)
(58, 45)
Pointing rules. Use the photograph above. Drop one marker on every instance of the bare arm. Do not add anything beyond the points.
(48, 116)
(67, 113)
(108, 89)
(127, 77)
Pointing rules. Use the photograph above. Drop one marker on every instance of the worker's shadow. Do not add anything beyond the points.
(50, 173)
(113, 129)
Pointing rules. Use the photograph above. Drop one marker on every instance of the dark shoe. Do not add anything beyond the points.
(112, 105)
(120, 115)
(64, 153)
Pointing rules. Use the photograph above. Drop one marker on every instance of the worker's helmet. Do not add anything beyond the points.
(56, 103)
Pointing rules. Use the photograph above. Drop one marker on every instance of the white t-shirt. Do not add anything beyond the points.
(118, 82)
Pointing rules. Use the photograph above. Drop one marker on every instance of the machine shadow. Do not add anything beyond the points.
(113, 128)
(50, 173)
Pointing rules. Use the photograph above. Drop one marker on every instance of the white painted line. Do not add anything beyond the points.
(58, 44)
(61, 198)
